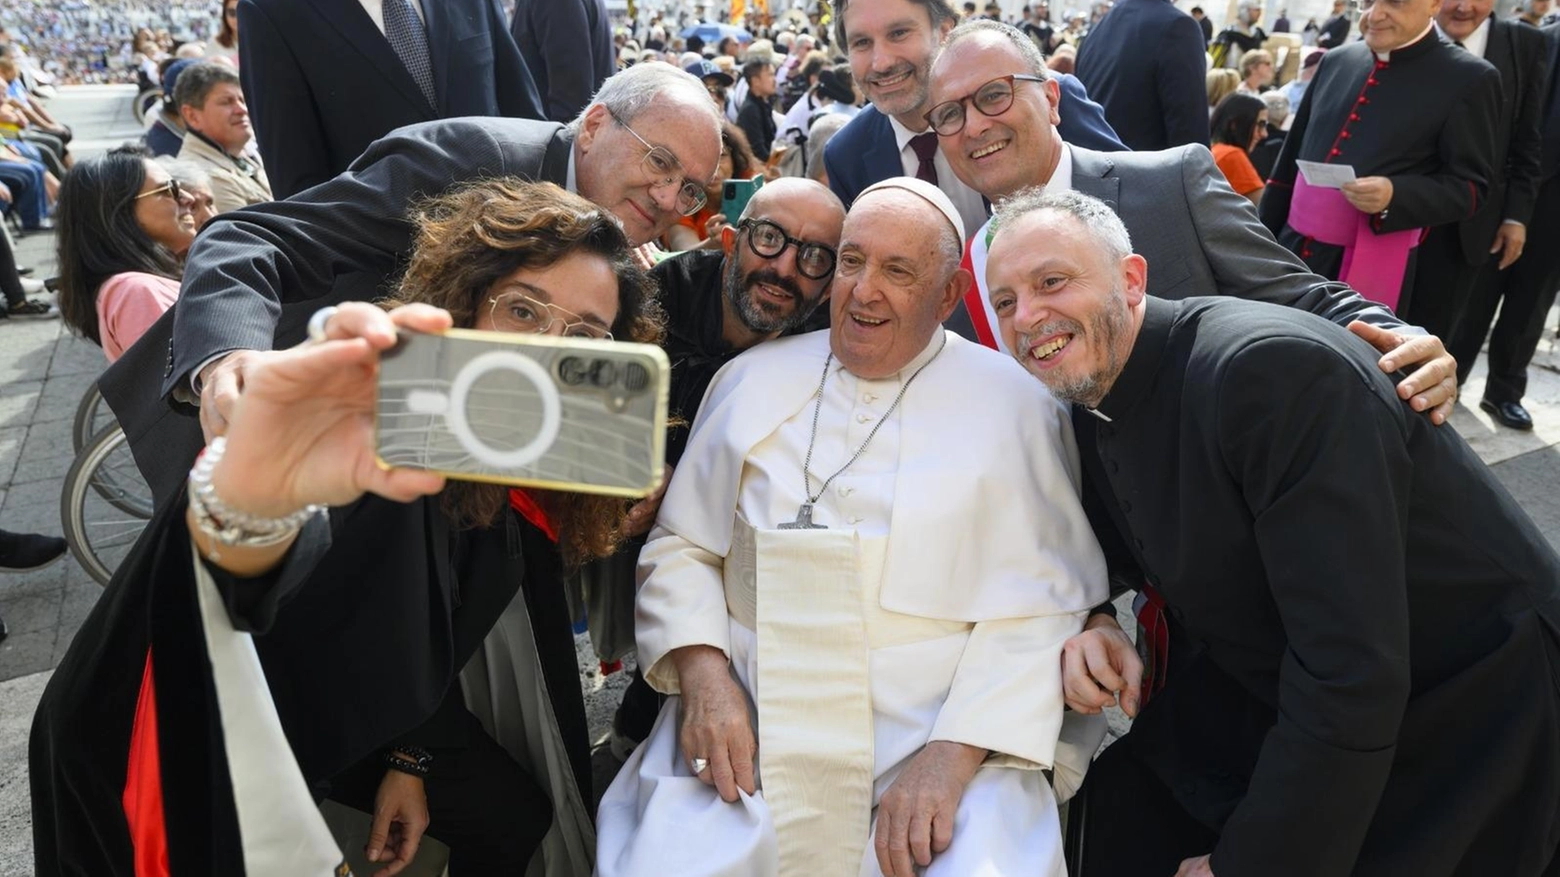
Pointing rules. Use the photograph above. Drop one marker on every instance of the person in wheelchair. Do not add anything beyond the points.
(362, 618)
(125, 225)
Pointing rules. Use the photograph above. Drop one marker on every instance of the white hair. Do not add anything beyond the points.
(1094, 215)
(630, 92)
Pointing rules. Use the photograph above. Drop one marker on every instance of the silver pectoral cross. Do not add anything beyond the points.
(803, 520)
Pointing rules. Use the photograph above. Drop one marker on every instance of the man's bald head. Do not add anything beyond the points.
(898, 279)
(773, 284)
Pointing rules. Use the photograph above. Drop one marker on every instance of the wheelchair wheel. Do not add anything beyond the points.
(145, 104)
(100, 530)
(92, 416)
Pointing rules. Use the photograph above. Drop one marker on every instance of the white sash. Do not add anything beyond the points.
(280, 829)
(815, 717)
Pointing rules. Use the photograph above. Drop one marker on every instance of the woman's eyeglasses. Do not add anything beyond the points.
(171, 188)
(518, 312)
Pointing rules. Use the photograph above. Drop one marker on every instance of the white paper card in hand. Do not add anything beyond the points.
(1326, 176)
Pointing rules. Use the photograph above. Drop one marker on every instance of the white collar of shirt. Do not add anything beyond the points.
(969, 203)
(1061, 178)
(571, 182)
(1387, 56)
(376, 11)
(1476, 42)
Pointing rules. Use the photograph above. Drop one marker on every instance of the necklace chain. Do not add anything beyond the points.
(818, 406)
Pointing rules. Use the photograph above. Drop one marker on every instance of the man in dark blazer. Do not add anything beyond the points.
(1145, 63)
(1377, 621)
(1335, 31)
(322, 80)
(567, 44)
(1460, 265)
(1204, 238)
(256, 275)
(1497, 235)
(1525, 291)
(876, 144)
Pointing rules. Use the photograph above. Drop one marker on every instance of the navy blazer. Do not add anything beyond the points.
(322, 82)
(864, 151)
(1145, 63)
(568, 46)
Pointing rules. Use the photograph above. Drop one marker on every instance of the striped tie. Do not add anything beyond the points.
(405, 32)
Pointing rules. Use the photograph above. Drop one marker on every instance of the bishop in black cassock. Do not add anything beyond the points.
(1373, 680)
(1420, 115)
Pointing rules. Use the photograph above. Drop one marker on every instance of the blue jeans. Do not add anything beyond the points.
(29, 198)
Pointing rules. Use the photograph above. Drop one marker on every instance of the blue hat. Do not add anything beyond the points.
(171, 76)
(708, 70)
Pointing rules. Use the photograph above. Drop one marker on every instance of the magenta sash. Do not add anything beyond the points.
(1374, 264)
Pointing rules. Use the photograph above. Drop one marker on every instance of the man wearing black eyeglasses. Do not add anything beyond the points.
(768, 278)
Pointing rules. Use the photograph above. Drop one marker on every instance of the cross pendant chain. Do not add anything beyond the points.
(803, 520)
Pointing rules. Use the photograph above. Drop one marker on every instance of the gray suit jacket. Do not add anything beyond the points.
(255, 276)
(1200, 238)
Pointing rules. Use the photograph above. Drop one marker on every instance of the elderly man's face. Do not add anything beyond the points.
(1062, 304)
(1460, 18)
(1390, 24)
(894, 286)
(890, 44)
(775, 293)
(224, 117)
(997, 155)
(611, 169)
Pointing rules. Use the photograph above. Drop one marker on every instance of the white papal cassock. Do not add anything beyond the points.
(956, 561)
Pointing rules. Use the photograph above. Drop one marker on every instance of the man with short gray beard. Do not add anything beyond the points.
(1368, 603)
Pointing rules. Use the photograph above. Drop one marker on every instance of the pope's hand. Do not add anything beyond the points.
(715, 725)
(1198, 867)
(1098, 666)
(302, 431)
(915, 815)
(1432, 386)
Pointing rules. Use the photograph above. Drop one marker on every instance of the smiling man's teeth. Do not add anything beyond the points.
(988, 150)
(1050, 348)
(867, 321)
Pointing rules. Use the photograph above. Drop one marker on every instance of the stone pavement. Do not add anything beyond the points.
(44, 371)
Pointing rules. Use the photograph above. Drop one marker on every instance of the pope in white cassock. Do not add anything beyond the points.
(859, 586)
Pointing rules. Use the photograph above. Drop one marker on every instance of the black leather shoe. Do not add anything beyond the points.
(1508, 414)
(21, 552)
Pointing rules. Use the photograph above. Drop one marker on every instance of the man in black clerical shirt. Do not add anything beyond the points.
(1375, 623)
(769, 276)
(1411, 114)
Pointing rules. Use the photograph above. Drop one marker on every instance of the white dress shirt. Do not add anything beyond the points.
(376, 11)
(969, 203)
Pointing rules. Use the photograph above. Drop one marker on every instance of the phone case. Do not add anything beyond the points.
(568, 414)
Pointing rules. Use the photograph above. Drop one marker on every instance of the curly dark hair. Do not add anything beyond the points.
(479, 233)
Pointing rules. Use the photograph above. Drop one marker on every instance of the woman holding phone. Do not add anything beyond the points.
(361, 618)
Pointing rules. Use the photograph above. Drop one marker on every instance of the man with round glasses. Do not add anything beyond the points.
(643, 149)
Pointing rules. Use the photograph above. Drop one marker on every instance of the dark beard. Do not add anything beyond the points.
(764, 318)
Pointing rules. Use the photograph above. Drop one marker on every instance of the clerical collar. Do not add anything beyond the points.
(933, 345)
(1416, 46)
(1142, 366)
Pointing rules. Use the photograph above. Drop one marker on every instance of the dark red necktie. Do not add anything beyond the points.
(925, 146)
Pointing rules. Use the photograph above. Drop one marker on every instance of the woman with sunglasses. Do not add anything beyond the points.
(124, 227)
(362, 619)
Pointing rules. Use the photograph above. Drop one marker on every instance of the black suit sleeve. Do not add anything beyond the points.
(1320, 453)
(246, 264)
(282, 105)
(1180, 77)
(515, 88)
(1467, 148)
(562, 31)
(1524, 155)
